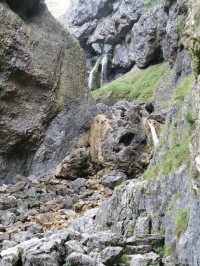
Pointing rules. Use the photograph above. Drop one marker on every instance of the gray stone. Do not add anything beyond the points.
(41, 92)
(142, 226)
(79, 259)
(8, 244)
(152, 240)
(104, 239)
(113, 179)
(8, 202)
(76, 165)
(111, 255)
(8, 218)
(4, 236)
(73, 246)
(144, 260)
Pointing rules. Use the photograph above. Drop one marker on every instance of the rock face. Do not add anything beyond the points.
(131, 32)
(118, 139)
(40, 90)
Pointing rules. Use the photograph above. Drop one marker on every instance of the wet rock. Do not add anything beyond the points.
(137, 32)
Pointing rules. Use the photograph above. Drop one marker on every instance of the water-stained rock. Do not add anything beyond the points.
(118, 139)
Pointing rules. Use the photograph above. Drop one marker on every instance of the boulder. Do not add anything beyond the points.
(111, 255)
(79, 259)
(103, 239)
(74, 166)
(118, 140)
(145, 260)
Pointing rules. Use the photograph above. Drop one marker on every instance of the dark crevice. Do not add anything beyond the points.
(127, 138)
(24, 8)
(150, 226)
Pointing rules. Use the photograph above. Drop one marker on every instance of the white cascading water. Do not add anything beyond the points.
(90, 78)
(92, 72)
(153, 133)
(104, 66)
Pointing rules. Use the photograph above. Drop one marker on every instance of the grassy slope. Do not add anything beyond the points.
(138, 85)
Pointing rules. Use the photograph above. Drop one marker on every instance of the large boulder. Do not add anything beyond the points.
(43, 96)
(119, 140)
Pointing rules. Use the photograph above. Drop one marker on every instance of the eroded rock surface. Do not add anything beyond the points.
(42, 90)
(131, 32)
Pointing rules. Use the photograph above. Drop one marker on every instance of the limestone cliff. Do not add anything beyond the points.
(131, 32)
(42, 90)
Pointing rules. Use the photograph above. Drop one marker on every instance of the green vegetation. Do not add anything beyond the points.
(174, 199)
(67, 264)
(174, 144)
(180, 220)
(189, 118)
(123, 260)
(182, 88)
(131, 228)
(137, 86)
(20, 251)
(163, 251)
(177, 154)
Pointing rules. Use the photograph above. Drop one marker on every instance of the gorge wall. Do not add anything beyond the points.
(131, 33)
(90, 186)
(42, 90)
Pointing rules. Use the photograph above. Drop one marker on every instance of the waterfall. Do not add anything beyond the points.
(104, 66)
(154, 134)
(92, 79)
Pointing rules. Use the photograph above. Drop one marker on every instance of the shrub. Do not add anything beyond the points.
(20, 251)
(189, 118)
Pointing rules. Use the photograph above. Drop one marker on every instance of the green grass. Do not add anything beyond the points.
(180, 220)
(182, 88)
(131, 229)
(177, 154)
(163, 251)
(189, 118)
(138, 86)
(174, 199)
(174, 145)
